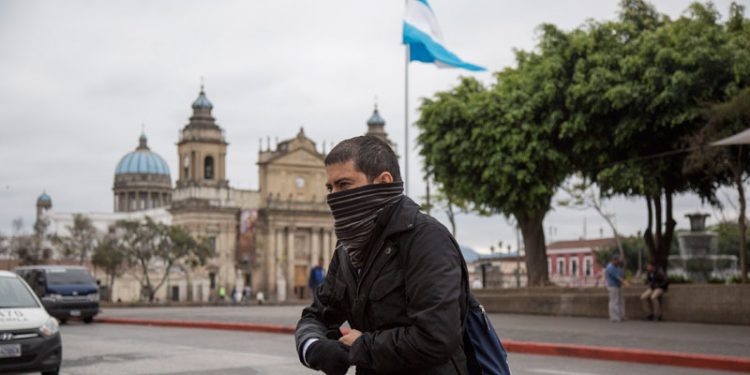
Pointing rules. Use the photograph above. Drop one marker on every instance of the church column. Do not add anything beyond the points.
(193, 169)
(280, 261)
(271, 261)
(290, 262)
(315, 253)
(220, 173)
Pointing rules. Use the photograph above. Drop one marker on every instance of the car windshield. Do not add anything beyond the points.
(68, 276)
(14, 294)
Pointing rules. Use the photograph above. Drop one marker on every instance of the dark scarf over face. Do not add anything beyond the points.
(355, 211)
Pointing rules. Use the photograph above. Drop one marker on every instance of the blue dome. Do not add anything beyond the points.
(142, 161)
(375, 119)
(202, 101)
(44, 198)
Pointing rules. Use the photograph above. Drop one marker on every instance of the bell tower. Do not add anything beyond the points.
(202, 150)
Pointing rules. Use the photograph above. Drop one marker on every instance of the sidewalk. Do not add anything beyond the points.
(633, 341)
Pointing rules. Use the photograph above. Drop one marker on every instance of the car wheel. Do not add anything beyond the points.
(88, 319)
(53, 372)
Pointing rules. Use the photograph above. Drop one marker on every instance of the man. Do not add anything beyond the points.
(615, 279)
(657, 284)
(317, 275)
(395, 276)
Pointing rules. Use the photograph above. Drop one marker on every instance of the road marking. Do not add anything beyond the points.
(558, 372)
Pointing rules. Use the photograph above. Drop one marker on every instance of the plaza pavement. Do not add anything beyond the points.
(632, 341)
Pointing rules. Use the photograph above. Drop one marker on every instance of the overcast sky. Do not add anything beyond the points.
(79, 78)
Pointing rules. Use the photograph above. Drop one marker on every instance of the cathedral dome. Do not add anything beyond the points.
(202, 101)
(142, 180)
(375, 119)
(142, 161)
(44, 199)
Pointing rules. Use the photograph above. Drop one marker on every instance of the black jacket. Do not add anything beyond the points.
(408, 300)
(657, 280)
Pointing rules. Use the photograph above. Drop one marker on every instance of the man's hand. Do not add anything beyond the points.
(350, 337)
(329, 356)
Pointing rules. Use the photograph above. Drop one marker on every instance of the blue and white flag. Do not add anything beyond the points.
(422, 34)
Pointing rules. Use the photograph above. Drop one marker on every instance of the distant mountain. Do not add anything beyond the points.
(470, 254)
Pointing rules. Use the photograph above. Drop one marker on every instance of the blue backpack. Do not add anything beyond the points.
(485, 354)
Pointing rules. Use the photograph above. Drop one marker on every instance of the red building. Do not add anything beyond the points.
(573, 263)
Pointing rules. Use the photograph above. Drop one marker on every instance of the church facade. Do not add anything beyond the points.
(267, 239)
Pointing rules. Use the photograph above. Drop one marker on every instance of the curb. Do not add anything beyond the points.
(702, 361)
(246, 327)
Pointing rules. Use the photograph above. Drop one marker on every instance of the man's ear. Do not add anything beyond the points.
(383, 178)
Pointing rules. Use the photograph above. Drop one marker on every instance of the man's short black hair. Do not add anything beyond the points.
(371, 156)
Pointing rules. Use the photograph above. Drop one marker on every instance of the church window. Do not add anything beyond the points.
(212, 245)
(185, 165)
(208, 168)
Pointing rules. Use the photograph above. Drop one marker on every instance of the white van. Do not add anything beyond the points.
(29, 336)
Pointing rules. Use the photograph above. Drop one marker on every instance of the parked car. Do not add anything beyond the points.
(29, 337)
(66, 291)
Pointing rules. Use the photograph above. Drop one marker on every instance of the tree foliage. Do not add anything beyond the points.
(498, 147)
(615, 101)
(152, 249)
(81, 239)
(111, 256)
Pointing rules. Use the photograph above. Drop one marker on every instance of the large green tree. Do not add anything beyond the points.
(637, 96)
(498, 147)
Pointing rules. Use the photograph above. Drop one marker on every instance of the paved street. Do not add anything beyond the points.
(663, 336)
(119, 349)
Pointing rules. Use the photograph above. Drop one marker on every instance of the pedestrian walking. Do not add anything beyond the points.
(222, 293)
(246, 294)
(615, 280)
(396, 276)
(317, 275)
(657, 283)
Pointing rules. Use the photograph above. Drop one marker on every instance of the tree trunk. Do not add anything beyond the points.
(648, 235)
(657, 224)
(451, 217)
(597, 206)
(741, 218)
(532, 229)
(662, 261)
(111, 285)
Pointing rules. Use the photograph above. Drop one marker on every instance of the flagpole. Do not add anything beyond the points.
(406, 121)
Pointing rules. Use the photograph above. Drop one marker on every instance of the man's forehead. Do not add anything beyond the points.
(340, 169)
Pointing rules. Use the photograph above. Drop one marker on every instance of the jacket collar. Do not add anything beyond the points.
(400, 217)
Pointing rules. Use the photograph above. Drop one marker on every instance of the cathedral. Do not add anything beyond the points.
(267, 239)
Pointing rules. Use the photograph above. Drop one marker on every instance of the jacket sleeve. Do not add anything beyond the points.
(324, 316)
(433, 281)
